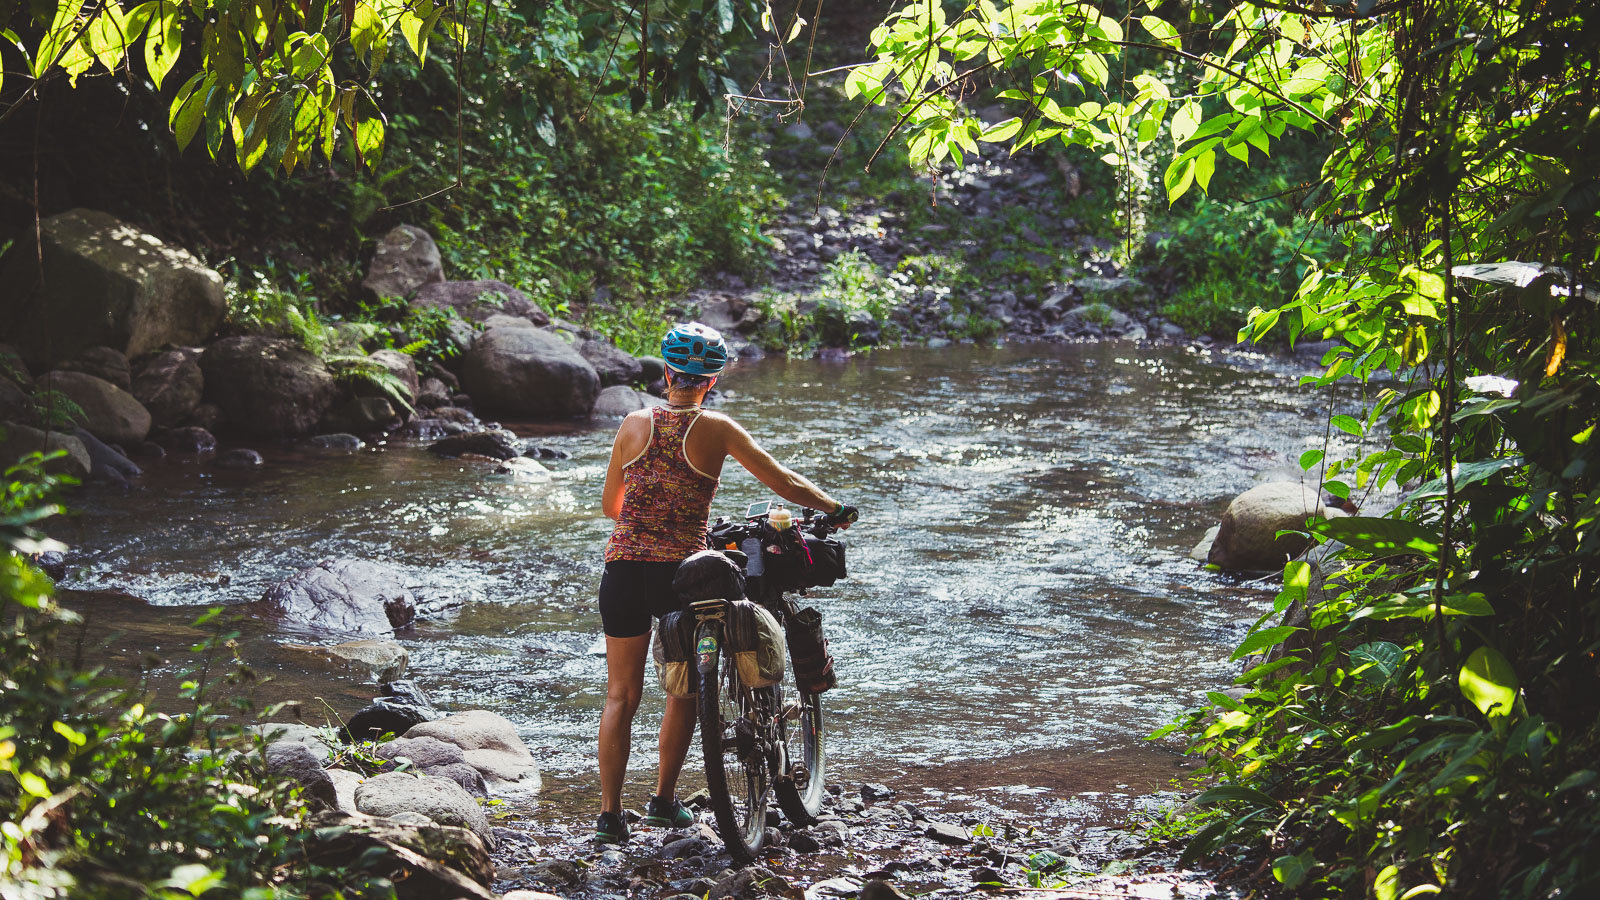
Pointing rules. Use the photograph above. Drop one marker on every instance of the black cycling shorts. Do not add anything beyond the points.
(631, 592)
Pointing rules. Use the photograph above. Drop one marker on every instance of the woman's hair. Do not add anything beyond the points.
(687, 382)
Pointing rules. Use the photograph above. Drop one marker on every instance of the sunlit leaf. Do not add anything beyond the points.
(1488, 682)
(1380, 536)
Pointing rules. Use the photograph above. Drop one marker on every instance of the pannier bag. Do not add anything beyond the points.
(808, 649)
(755, 642)
(673, 649)
(708, 575)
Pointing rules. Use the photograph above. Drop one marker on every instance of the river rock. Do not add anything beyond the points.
(1121, 291)
(520, 371)
(401, 366)
(405, 260)
(108, 412)
(476, 301)
(1203, 549)
(524, 470)
(105, 363)
(372, 660)
(18, 440)
(385, 716)
(187, 439)
(1098, 318)
(105, 283)
(363, 415)
(497, 444)
(617, 401)
(1247, 535)
(169, 384)
(440, 799)
(470, 779)
(295, 732)
(267, 386)
(238, 458)
(651, 368)
(878, 889)
(614, 366)
(433, 394)
(16, 403)
(345, 783)
(424, 752)
(105, 463)
(207, 415)
(490, 744)
(425, 861)
(946, 833)
(337, 441)
(295, 762)
(344, 595)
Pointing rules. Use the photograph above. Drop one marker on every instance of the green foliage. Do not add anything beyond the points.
(363, 370)
(99, 795)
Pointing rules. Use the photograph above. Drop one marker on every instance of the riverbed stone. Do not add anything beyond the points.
(495, 443)
(1247, 537)
(1099, 318)
(18, 440)
(405, 260)
(345, 783)
(440, 799)
(105, 462)
(370, 660)
(267, 386)
(529, 372)
(277, 732)
(238, 458)
(337, 440)
(424, 752)
(651, 368)
(613, 365)
(105, 363)
(108, 412)
(524, 471)
(946, 833)
(296, 762)
(16, 403)
(490, 744)
(344, 595)
(187, 439)
(476, 301)
(362, 415)
(424, 860)
(169, 384)
(432, 393)
(385, 716)
(105, 283)
(617, 401)
(470, 779)
(401, 366)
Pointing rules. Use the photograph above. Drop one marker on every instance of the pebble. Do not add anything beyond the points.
(237, 458)
(946, 833)
(878, 889)
(876, 793)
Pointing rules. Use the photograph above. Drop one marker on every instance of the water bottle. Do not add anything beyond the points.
(780, 518)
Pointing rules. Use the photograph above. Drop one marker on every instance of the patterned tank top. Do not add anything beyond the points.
(665, 499)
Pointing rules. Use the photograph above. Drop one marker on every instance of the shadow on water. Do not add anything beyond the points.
(1021, 610)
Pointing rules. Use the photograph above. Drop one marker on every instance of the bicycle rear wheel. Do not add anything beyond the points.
(799, 793)
(736, 767)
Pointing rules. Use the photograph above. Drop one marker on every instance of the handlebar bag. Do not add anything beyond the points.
(673, 650)
(813, 665)
(709, 575)
(792, 569)
(756, 644)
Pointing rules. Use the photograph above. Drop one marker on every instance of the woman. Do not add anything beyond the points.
(664, 468)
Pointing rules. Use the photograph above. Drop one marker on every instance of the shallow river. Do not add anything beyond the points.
(1021, 610)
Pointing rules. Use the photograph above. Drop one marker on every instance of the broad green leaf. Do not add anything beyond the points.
(1466, 474)
(1309, 459)
(1162, 31)
(108, 37)
(63, 30)
(1488, 682)
(1001, 131)
(1378, 662)
(724, 18)
(1380, 537)
(189, 110)
(1261, 640)
(1178, 178)
(1204, 165)
(1236, 793)
(1347, 424)
(1291, 870)
(1185, 122)
(1387, 885)
(163, 42)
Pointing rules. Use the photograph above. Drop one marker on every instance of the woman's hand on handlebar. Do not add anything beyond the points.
(845, 516)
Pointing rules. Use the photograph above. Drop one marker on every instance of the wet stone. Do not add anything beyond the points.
(804, 842)
(945, 833)
(685, 848)
(237, 458)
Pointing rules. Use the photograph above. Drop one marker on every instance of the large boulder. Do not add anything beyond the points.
(105, 283)
(294, 761)
(476, 301)
(490, 744)
(422, 861)
(17, 441)
(106, 363)
(614, 366)
(617, 401)
(440, 799)
(528, 372)
(406, 259)
(401, 366)
(16, 403)
(1247, 537)
(169, 384)
(267, 386)
(352, 596)
(108, 412)
(105, 463)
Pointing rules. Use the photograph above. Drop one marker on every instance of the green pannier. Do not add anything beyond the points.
(755, 643)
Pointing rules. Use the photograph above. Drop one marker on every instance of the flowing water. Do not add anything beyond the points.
(1021, 610)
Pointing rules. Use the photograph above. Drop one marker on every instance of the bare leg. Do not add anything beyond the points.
(624, 685)
(677, 730)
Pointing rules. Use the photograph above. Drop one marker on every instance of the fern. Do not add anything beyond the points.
(359, 369)
(415, 347)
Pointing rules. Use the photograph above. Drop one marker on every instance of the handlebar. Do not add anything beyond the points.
(811, 521)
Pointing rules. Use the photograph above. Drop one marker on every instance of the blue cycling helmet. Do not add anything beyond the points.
(694, 349)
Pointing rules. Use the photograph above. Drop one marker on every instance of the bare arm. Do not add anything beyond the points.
(787, 483)
(631, 438)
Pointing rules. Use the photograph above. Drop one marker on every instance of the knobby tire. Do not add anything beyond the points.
(742, 825)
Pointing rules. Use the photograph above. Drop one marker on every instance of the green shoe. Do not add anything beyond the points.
(611, 829)
(667, 812)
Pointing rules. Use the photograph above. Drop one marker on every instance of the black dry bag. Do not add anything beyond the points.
(808, 652)
(708, 575)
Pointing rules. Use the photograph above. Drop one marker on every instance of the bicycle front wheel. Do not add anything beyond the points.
(800, 791)
(736, 766)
